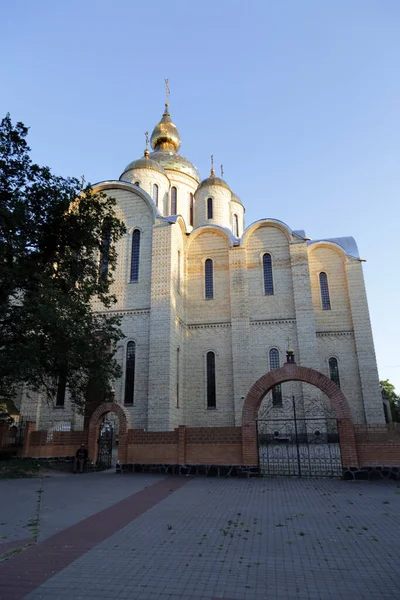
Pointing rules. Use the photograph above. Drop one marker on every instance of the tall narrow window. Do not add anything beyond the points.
(174, 201)
(191, 209)
(178, 283)
(61, 389)
(334, 370)
(277, 389)
(209, 208)
(130, 373)
(155, 194)
(177, 377)
(105, 251)
(325, 299)
(211, 392)
(135, 255)
(236, 225)
(268, 279)
(209, 279)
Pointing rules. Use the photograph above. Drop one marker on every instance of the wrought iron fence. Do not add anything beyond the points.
(306, 446)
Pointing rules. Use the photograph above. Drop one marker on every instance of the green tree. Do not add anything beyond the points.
(51, 236)
(388, 392)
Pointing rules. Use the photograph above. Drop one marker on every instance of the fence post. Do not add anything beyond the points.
(348, 446)
(181, 444)
(29, 427)
(249, 444)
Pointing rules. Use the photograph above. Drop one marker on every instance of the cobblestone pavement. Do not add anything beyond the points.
(65, 499)
(222, 538)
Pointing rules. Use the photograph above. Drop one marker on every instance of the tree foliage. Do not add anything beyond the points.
(51, 236)
(388, 392)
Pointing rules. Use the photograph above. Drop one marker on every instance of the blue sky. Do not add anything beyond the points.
(300, 100)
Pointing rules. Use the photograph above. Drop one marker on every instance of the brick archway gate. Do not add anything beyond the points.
(124, 424)
(292, 372)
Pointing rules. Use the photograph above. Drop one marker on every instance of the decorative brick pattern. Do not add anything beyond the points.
(362, 446)
(124, 424)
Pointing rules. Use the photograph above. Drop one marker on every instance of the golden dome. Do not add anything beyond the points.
(236, 198)
(165, 135)
(172, 161)
(212, 180)
(142, 163)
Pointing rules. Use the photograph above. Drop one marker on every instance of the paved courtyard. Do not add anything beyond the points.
(103, 535)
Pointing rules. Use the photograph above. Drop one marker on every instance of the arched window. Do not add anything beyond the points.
(105, 251)
(135, 255)
(191, 210)
(211, 390)
(177, 377)
(209, 208)
(209, 279)
(155, 194)
(236, 225)
(274, 363)
(137, 183)
(323, 284)
(334, 370)
(268, 279)
(174, 201)
(130, 373)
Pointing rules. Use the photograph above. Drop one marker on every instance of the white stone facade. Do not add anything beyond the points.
(167, 315)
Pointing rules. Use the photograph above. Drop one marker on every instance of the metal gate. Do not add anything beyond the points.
(306, 446)
(105, 445)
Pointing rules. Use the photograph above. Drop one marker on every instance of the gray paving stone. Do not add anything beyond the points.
(242, 540)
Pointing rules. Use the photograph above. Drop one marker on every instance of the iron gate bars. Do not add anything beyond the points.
(299, 446)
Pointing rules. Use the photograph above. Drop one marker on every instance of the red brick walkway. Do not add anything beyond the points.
(28, 570)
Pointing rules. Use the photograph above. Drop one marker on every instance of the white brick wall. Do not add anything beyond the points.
(240, 324)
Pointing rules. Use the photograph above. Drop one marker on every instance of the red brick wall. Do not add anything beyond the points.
(214, 454)
(213, 435)
(139, 436)
(186, 445)
(382, 433)
(62, 443)
(378, 455)
(378, 445)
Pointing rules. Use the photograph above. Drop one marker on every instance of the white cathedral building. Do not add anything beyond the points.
(208, 305)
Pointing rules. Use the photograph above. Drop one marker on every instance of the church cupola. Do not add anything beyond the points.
(165, 135)
(151, 177)
(212, 201)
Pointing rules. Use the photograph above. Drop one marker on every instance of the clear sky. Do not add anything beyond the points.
(299, 99)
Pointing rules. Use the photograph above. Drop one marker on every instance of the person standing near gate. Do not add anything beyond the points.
(81, 457)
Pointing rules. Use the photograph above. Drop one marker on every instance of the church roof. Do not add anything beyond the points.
(236, 198)
(166, 141)
(348, 244)
(165, 134)
(212, 180)
(173, 161)
(144, 163)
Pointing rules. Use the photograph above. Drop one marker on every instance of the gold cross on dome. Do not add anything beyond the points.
(222, 171)
(167, 91)
(288, 343)
(146, 133)
(83, 182)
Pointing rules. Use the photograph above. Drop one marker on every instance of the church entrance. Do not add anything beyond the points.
(302, 440)
(105, 443)
(108, 435)
(304, 436)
